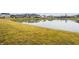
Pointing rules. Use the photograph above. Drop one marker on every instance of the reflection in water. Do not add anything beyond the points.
(68, 25)
(65, 21)
(32, 21)
(77, 21)
(37, 21)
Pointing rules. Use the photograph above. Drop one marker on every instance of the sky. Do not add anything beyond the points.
(39, 6)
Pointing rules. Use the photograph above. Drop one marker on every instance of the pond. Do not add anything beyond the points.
(67, 25)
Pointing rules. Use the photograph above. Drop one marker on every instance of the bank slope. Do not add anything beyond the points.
(16, 33)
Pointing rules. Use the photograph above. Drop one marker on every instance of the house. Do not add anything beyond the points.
(44, 16)
(4, 15)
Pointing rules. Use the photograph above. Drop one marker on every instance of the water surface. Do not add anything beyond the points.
(67, 25)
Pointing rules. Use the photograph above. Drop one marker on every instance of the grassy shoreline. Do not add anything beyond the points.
(16, 33)
(38, 19)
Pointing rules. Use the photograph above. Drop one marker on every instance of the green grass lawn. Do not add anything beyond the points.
(27, 19)
(16, 33)
(76, 18)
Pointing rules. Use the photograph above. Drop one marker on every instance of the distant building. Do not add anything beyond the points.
(25, 15)
(43, 16)
(77, 15)
(4, 15)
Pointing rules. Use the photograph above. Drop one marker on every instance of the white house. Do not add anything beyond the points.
(4, 15)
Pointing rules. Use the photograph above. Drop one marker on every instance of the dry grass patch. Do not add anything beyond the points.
(16, 33)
